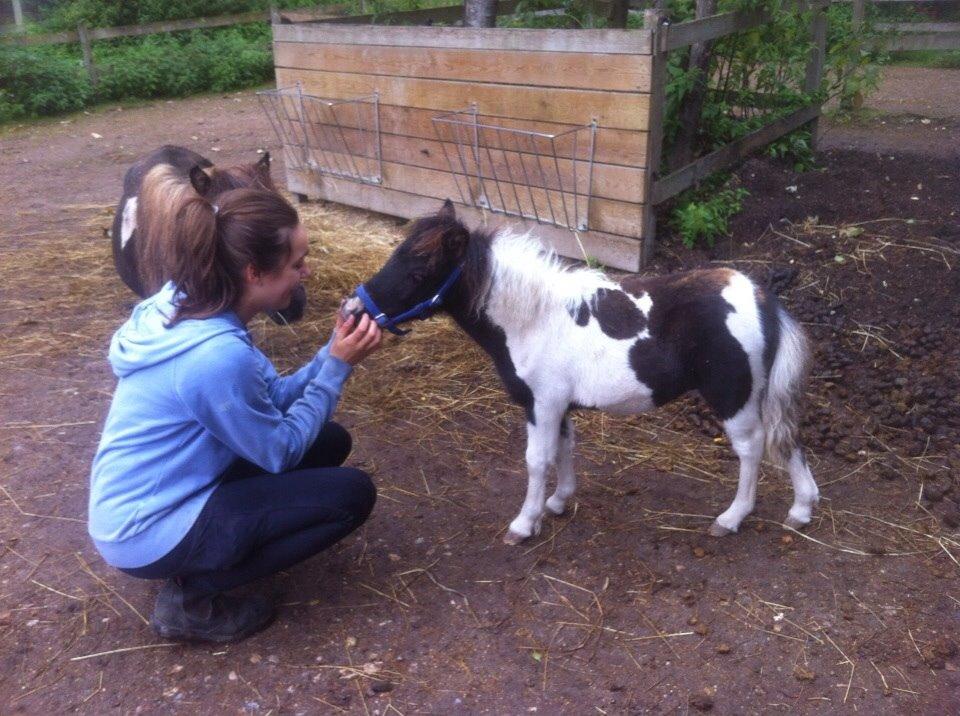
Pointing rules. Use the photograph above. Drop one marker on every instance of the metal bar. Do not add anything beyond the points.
(343, 138)
(585, 224)
(437, 125)
(563, 198)
(513, 183)
(476, 192)
(520, 154)
(543, 183)
(378, 138)
(303, 126)
(268, 104)
(496, 179)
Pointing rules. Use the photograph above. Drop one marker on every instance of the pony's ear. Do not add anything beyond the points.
(200, 180)
(447, 211)
(262, 171)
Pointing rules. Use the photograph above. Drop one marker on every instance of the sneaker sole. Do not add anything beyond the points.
(188, 636)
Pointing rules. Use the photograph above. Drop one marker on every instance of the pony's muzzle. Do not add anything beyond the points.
(351, 306)
(293, 312)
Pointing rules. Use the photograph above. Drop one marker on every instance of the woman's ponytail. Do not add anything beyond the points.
(198, 269)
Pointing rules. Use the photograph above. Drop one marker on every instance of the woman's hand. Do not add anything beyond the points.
(352, 341)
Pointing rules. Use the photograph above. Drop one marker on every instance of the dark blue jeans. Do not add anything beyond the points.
(256, 523)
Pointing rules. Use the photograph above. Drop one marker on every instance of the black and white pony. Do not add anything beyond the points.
(153, 189)
(565, 338)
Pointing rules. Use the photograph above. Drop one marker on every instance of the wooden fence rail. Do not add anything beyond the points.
(900, 36)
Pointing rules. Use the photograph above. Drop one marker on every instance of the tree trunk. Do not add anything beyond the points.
(619, 11)
(480, 13)
(685, 146)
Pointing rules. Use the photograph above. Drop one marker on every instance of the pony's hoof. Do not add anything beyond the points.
(556, 507)
(795, 523)
(718, 530)
(513, 538)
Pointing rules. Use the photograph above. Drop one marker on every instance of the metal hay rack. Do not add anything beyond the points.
(547, 177)
(336, 137)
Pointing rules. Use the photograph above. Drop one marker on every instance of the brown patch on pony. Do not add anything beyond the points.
(695, 283)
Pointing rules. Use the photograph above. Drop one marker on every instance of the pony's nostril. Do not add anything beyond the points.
(351, 306)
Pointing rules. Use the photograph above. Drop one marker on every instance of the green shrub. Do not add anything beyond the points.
(40, 81)
(175, 65)
(67, 14)
(795, 148)
(703, 214)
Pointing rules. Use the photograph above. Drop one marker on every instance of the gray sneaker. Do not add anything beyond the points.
(221, 618)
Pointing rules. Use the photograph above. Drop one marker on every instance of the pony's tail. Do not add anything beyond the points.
(781, 401)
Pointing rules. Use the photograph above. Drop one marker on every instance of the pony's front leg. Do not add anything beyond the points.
(542, 440)
(566, 478)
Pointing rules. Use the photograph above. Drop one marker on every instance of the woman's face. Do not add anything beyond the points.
(278, 286)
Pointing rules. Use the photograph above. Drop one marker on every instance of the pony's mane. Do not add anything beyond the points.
(524, 273)
(242, 176)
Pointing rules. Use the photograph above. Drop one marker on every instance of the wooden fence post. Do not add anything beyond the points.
(653, 23)
(858, 14)
(17, 15)
(87, 50)
(814, 75)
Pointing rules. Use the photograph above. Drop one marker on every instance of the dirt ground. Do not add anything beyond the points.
(624, 605)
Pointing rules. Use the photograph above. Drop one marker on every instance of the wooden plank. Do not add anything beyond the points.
(606, 215)
(50, 38)
(87, 52)
(612, 250)
(547, 104)
(814, 72)
(630, 42)
(652, 21)
(679, 180)
(197, 23)
(152, 28)
(918, 27)
(609, 181)
(310, 14)
(448, 14)
(928, 41)
(596, 71)
(694, 32)
(613, 146)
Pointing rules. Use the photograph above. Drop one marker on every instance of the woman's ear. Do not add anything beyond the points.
(251, 274)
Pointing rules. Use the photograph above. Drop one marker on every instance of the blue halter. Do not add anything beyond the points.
(422, 310)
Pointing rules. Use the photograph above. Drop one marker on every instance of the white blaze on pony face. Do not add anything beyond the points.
(129, 222)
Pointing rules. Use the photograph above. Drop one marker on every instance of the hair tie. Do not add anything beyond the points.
(216, 209)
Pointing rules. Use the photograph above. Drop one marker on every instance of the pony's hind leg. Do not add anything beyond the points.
(566, 478)
(745, 431)
(542, 442)
(806, 495)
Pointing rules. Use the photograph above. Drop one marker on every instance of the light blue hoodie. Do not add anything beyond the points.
(191, 399)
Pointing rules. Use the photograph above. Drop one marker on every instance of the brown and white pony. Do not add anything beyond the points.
(566, 338)
(153, 191)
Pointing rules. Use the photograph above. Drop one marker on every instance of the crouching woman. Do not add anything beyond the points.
(213, 471)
